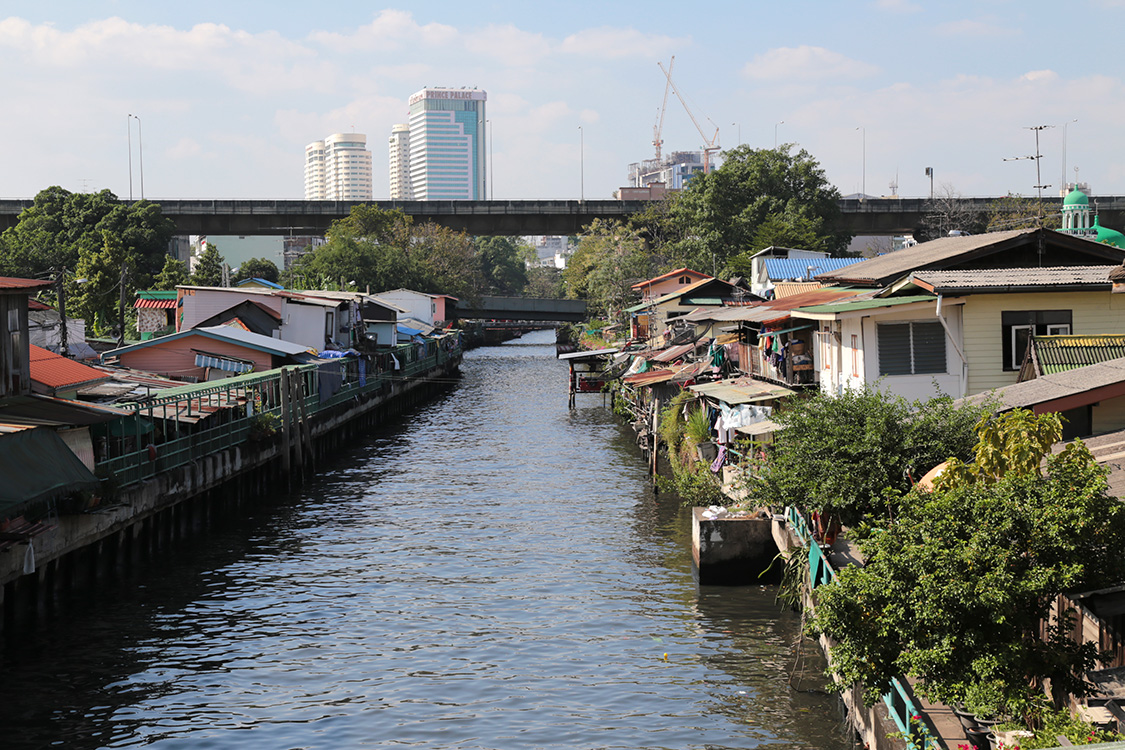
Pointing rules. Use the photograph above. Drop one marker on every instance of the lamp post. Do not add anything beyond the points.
(491, 163)
(930, 174)
(863, 183)
(129, 136)
(739, 126)
(581, 164)
(1062, 185)
(782, 122)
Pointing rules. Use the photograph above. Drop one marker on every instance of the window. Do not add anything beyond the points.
(1017, 328)
(911, 348)
(824, 343)
(855, 356)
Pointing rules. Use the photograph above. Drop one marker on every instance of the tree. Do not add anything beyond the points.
(719, 214)
(60, 225)
(109, 274)
(258, 268)
(958, 585)
(449, 262)
(839, 454)
(1015, 211)
(948, 212)
(545, 283)
(173, 274)
(502, 263)
(209, 267)
(610, 259)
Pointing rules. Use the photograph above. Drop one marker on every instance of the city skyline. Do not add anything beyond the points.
(876, 92)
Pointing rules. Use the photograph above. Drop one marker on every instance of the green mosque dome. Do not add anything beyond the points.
(1076, 198)
(1109, 236)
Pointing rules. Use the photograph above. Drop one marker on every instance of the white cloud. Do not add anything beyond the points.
(805, 63)
(390, 30)
(508, 45)
(610, 43)
(1040, 76)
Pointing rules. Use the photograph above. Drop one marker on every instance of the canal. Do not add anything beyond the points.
(495, 572)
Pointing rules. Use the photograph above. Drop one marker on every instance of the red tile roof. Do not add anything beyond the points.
(10, 282)
(165, 304)
(56, 371)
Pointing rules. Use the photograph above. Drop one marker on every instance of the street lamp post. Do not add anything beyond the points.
(581, 164)
(930, 174)
(739, 126)
(782, 122)
(491, 163)
(129, 136)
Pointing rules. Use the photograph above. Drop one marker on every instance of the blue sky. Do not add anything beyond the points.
(228, 94)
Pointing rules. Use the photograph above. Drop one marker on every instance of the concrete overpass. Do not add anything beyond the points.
(522, 309)
(884, 216)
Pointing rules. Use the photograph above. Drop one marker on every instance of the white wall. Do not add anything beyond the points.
(418, 306)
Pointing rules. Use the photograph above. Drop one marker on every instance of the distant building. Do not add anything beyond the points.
(446, 144)
(551, 251)
(674, 171)
(1079, 220)
(399, 172)
(338, 168)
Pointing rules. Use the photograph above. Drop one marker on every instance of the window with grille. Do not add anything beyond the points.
(911, 348)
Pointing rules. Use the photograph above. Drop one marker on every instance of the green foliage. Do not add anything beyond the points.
(956, 586)
(545, 283)
(1016, 441)
(257, 268)
(1015, 211)
(1053, 724)
(697, 429)
(610, 259)
(757, 195)
(173, 274)
(209, 267)
(693, 482)
(108, 272)
(503, 264)
(60, 227)
(672, 420)
(840, 454)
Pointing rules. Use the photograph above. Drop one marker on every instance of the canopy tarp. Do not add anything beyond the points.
(37, 465)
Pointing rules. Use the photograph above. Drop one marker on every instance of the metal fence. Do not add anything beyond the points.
(182, 425)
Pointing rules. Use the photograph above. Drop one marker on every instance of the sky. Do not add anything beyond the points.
(226, 95)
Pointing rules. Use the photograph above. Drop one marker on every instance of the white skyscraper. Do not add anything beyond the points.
(338, 168)
(399, 172)
(447, 144)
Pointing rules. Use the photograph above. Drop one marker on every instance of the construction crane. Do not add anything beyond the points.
(709, 144)
(658, 128)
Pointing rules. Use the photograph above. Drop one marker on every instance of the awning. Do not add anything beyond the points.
(741, 391)
(786, 330)
(759, 428)
(222, 363)
(37, 465)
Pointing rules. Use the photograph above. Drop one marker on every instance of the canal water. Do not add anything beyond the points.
(495, 572)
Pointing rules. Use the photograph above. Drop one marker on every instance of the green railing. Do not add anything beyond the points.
(184, 424)
(904, 713)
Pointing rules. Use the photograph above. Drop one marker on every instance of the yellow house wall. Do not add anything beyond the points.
(1091, 313)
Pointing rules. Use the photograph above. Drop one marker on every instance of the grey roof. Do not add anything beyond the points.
(947, 251)
(1016, 279)
(1055, 386)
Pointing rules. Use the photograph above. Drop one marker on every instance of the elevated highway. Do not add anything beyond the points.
(524, 309)
(885, 216)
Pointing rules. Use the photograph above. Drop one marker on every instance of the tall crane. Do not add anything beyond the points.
(709, 144)
(658, 128)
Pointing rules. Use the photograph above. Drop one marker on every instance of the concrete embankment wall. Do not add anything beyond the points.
(145, 516)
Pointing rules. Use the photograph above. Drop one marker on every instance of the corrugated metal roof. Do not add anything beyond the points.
(741, 390)
(864, 304)
(673, 353)
(1054, 386)
(773, 309)
(157, 294)
(1060, 353)
(1016, 279)
(55, 371)
(11, 282)
(670, 274)
(223, 333)
(780, 269)
(789, 288)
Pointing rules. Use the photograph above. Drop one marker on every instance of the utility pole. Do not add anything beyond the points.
(121, 308)
(60, 292)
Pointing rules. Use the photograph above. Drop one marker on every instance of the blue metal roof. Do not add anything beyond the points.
(781, 269)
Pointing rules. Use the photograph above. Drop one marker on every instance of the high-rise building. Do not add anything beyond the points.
(447, 145)
(338, 168)
(399, 172)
